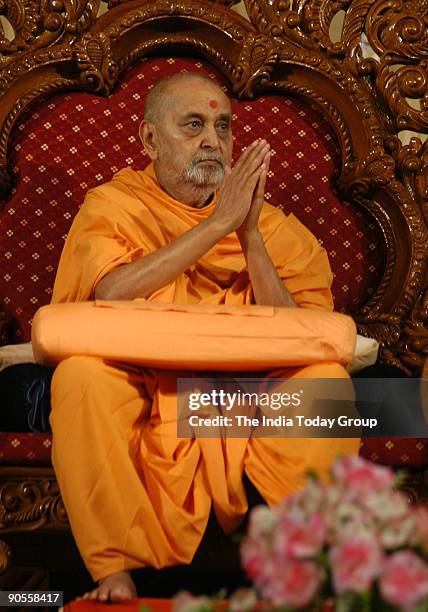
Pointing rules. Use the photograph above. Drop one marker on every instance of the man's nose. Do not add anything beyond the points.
(210, 138)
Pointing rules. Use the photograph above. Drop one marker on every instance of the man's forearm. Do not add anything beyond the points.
(267, 286)
(141, 278)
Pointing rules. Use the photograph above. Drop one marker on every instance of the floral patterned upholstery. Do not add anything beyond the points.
(68, 143)
(25, 449)
(35, 449)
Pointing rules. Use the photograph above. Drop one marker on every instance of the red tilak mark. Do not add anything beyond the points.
(213, 103)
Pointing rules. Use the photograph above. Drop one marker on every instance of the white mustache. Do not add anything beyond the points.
(213, 157)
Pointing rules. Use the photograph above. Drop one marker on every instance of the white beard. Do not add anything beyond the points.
(203, 175)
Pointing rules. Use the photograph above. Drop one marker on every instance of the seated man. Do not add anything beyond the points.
(189, 229)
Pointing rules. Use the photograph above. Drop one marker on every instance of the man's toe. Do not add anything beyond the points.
(102, 594)
(119, 593)
(94, 594)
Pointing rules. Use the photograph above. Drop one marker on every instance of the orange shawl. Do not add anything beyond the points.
(132, 216)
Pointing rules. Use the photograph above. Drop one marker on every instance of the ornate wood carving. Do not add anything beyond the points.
(5, 556)
(370, 82)
(29, 500)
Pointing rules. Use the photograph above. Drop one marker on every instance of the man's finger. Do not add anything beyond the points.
(260, 191)
(261, 184)
(252, 179)
(256, 158)
(252, 149)
(267, 160)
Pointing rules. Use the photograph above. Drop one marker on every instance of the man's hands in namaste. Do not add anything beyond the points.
(240, 198)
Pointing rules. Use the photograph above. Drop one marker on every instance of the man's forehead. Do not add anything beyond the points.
(199, 96)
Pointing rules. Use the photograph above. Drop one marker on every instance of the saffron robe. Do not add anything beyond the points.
(136, 494)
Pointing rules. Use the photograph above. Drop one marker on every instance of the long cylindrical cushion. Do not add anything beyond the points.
(198, 336)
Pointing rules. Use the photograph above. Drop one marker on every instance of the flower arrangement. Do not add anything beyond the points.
(354, 545)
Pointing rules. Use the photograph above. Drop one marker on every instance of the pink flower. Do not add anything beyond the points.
(355, 563)
(348, 518)
(361, 477)
(298, 539)
(386, 505)
(256, 561)
(398, 532)
(304, 502)
(295, 583)
(404, 580)
(262, 522)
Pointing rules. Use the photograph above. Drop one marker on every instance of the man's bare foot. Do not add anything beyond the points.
(116, 587)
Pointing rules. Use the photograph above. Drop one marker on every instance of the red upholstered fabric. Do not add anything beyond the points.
(69, 143)
(406, 452)
(35, 449)
(25, 449)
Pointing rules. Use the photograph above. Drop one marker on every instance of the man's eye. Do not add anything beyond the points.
(223, 126)
(195, 124)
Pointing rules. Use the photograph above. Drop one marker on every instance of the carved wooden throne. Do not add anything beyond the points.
(72, 85)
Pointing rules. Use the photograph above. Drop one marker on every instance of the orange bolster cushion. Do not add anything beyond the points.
(199, 336)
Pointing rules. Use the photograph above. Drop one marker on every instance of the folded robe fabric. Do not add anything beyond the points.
(192, 336)
(132, 216)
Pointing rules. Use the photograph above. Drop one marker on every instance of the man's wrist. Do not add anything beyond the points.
(250, 237)
(218, 227)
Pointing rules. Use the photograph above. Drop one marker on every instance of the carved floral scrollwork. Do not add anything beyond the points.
(67, 18)
(283, 22)
(256, 62)
(30, 504)
(219, 17)
(393, 32)
(413, 346)
(5, 556)
(412, 168)
(38, 25)
(24, 20)
(98, 68)
(397, 33)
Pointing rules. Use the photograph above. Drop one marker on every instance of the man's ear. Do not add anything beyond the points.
(149, 138)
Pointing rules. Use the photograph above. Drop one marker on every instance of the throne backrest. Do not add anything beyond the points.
(71, 142)
(341, 169)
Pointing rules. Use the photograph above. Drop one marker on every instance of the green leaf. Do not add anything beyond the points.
(400, 476)
(312, 475)
(221, 594)
(422, 606)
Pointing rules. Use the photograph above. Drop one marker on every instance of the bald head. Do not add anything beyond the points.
(161, 96)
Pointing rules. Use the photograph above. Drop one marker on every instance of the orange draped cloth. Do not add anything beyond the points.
(136, 494)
